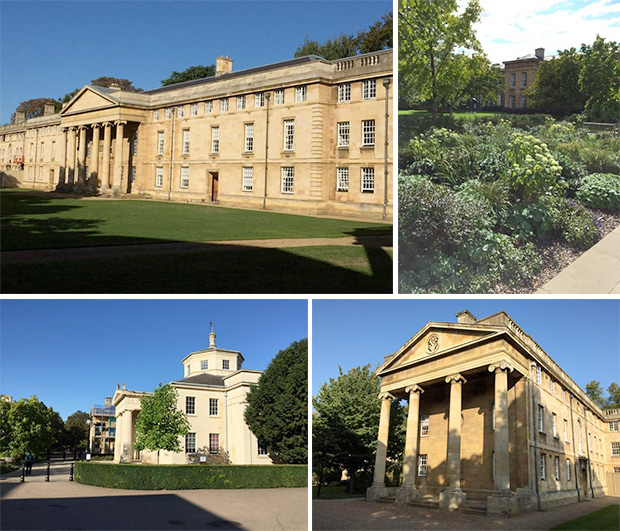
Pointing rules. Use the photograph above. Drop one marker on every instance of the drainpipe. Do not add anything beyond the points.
(171, 152)
(575, 465)
(535, 437)
(36, 153)
(585, 414)
(267, 97)
(386, 84)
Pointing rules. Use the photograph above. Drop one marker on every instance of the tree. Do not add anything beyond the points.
(595, 392)
(106, 82)
(430, 34)
(613, 400)
(77, 430)
(35, 107)
(379, 36)
(600, 80)
(277, 411)
(159, 423)
(189, 74)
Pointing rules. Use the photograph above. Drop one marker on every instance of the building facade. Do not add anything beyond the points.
(519, 74)
(212, 394)
(493, 422)
(305, 135)
(102, 428)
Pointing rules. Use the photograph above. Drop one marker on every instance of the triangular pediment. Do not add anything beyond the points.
(88, 99)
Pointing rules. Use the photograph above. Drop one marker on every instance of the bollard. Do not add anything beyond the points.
(23, 476)
(47, 478)
(71, 475)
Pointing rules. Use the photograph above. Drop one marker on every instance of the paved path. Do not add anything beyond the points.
(595, 271)
(61, 504)
(363, 515)
(52, 255)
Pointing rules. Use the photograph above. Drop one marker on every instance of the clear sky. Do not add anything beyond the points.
(49, 48)
(72, 353)
(582, 336)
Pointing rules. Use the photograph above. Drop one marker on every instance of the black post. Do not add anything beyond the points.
(23, 476)
(47, 478)
(71, 475)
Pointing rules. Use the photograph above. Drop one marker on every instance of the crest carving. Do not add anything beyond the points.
(433, 343)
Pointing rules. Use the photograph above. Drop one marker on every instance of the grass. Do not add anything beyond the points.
(607, 518)
(334, 493)
(457, 114)
(35, 220)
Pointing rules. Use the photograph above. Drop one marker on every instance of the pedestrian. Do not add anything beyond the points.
(28, 463)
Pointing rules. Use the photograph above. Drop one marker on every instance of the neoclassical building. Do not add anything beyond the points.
(212, 394)
(493, 422)
(305, 135)
(519, 74)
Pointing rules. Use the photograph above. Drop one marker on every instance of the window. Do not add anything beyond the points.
(542, 466)
(249, 138)
(156, 115)
(30, 173)
(168, 113)
(42, 153)
(554, 425)
(134, 144)
(342, 179)
(53, 150)
(160, 143)
(214, 443)
(424, 421)
(180, 111)
(208, 107)
(204, 365)
(541, 424)
(343, 134)
(565, 430)
(88, 149)
(368, 132)
(215, 139)
(513, 80)
(190, 443)
(301, 93)
(512, 101)
(552, 384)
(31, 151)
(225, 364)
(224, 105)
(538, 375)
(214, 409)
(523, 79)
(262, 448)
(240, 103)
(613, 426)
(368, 180)
(522, 102)
(184, 177)
(132, 174)
(40, 173)
(185, 141)
(556, 467)
(369, 89)
(568, 470)
(159, 177)
(190, 405)
(259, 99)
(617, 470)
(422, 465)
(615, 448)
(278, 96)
(493, 416)
(289, 135)
(247, 181)
(193, 110)
(288, 178)
(344, 92)
(563, 395)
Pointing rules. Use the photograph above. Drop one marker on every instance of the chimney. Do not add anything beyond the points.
(48, 109)
(466, 317)
(108, 401)
(223, 65)
(20, 116)
(540, 53)
(212, 338)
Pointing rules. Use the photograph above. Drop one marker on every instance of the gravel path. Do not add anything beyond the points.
(363, 515)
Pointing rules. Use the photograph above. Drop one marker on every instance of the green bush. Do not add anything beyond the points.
(576, 224)
(600, 190)
(6, 467)
(177, 477)
(598, 153)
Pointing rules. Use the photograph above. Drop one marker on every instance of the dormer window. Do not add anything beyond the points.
(226, 365)
(204, 365)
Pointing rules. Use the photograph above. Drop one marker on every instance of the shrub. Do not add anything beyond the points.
(573, 172)
(177, 477)
(576, 224)
(600, 190)
(598, 153)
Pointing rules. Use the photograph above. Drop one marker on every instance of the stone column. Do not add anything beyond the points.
(105, 164)
(62, 171)
(378, 490)
(127, 441)
(94, 156)
(71, 156)
(82, 156)
(118, 158)
(453, 496)
(408, 490)
(118, 439)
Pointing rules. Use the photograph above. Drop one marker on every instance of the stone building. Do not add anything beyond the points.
(305, 135)
(493, 422)
(102, 428)
(519, 74)
(212, 395)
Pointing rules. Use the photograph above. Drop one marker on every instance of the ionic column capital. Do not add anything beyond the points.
(107, 124)
(82, 127)
(71, 128)
(500, 366)
(96, 125)
(415, 388)
(455, 378)
(120, 122)
(386, 396)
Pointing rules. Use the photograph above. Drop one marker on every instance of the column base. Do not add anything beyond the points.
(407, 494)
(501, 502)
(116, 191)
(376, 491)
(452, 498)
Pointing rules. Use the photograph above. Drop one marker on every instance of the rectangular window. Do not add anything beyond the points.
(208, 107)
(613, 425)
(369, 89)
(368, 132)
(556, 467)
(189, 369)
(615, 448)
(262, 448)
(133, 174)
(552, 384)
(224, 105)
(168, 113)
(42, 154)
(523, 79)
(190, 405)
(215, 139)
(40, 173)
(160, 143)
(156, 115)
(185, 141)
(53, 150)
(190, 443)
(563, 395)
(180, 111)
(538, 375)
(565, 430)
(513, 79)
(214, 409)
(289, 135)
(288, 178)
(247, 182)
(159, 177)
(214, 443)
(617, 470)
(522, 102)
(424, 421)
(240, 103)
(259, 99)
(225, 365)
(134, 144)
(568, 470)
(204, 365)
(184, 177)
(541, 424)
(301, 93)
(368, 180)
(343, 134)
(278, 96)
(512, 101)
(422, 465)
(344, 92)
(249, 138)
(554, 425)
(542, 466)
(193, 110)
(31, 173)
(342, 179)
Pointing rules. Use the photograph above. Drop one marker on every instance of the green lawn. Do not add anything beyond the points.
(36, 220)
(457, 114)
(604, 519)
(334, 493)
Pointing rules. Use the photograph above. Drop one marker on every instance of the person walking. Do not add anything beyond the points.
(28, 461)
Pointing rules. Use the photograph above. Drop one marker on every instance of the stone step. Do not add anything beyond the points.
(472, 509)
(387, 499)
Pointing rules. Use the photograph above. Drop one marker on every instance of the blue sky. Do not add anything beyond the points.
(582, 336)
(50, 48)
(72, 353)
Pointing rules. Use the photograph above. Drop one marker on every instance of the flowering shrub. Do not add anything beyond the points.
(600, 190)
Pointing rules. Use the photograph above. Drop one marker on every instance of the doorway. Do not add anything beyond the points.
(214, 185)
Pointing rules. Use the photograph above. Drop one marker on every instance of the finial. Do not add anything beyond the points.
(123, 386)
(211, 323)
(118, 386)
(212, 337)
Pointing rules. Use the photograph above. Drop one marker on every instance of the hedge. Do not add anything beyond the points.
(177, 477)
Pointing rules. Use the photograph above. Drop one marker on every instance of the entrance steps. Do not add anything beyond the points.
(473, 506)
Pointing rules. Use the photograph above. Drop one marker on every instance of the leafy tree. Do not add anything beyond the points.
(600, 80)
(277, 411)
(379, 36)
(76, 430)
(35, 107)
(189, 74)
(159, 423)
(613, 400)
(595, 392)
(430, 34)
(105, 82)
